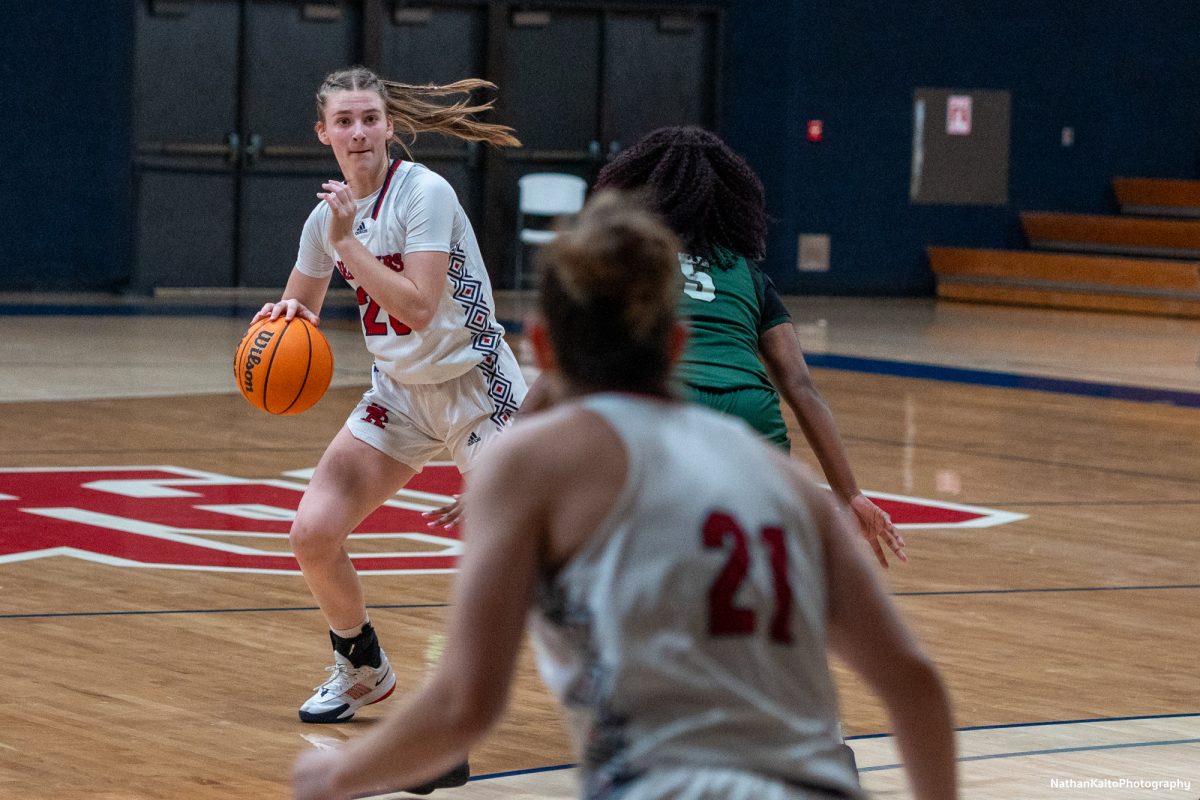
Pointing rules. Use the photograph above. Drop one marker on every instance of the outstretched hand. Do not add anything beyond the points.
(447, 515)
(875, 525)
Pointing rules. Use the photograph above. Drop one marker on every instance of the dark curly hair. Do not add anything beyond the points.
(705, 192)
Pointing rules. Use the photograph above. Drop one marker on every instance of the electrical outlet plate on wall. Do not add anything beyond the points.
(812, 253)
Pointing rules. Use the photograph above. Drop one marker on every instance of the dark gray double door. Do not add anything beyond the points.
(227, 162)
(579, 85)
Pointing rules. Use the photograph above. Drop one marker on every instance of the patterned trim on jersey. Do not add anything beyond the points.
(468, 291)
(605, 758)
(383, 189)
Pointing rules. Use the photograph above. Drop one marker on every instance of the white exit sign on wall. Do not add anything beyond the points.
(958, 115)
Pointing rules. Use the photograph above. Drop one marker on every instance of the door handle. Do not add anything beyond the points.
(234, 143)
(253, 149)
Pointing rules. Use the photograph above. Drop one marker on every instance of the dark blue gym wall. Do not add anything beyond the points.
(66, 68)
(1125, 76)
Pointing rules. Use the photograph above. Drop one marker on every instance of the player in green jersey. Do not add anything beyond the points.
(742, 352)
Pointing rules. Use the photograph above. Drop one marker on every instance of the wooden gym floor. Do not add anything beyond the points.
(157, 642)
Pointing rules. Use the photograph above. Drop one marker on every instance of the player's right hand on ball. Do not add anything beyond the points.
(288, 309)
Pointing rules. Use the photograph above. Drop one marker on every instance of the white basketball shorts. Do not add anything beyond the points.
(413, 422)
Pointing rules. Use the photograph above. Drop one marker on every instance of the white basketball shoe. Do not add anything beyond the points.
(348, 689)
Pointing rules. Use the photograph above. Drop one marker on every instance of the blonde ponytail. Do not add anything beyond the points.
(413, 109)
(413, 112)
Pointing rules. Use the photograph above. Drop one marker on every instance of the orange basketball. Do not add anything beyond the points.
(283, 367)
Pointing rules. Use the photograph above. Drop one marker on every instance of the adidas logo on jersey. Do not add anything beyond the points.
(473, 439)
(361, 229)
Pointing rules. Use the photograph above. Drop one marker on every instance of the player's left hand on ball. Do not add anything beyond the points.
(288, 309)
(876, 524)
(446, 515)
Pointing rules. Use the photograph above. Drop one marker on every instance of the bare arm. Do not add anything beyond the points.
(866, 631)
(411, 296)
(304, 296)
(546, 392)
(432, 730)
(789, 373)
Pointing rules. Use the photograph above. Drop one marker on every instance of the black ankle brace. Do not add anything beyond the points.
(362, 650)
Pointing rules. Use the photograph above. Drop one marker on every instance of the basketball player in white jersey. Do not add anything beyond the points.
(684, 581)
(443, 376)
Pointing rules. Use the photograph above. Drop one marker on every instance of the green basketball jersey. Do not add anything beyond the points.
(727, 310)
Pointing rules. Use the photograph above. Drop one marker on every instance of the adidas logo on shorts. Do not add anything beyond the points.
(473, 439)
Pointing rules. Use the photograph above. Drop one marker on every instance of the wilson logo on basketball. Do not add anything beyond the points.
(254, 358)
(284, 366)
(175, 518)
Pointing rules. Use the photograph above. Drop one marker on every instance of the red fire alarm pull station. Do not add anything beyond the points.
(816, 130)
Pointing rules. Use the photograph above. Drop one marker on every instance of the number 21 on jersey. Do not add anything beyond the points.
(725, 617)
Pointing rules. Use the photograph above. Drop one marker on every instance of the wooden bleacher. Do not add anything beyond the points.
(1137, 264)
(1133, 236)
(1060, 280)
(1158, 197)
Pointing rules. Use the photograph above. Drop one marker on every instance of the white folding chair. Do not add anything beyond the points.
(543, 194)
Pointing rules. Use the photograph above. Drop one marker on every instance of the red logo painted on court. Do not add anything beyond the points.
(176, 518)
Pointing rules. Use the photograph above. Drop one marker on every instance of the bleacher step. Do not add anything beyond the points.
(1129, 236)
(1159, 197)
(1059, 280)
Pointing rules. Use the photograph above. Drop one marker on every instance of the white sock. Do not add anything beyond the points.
(350, 633)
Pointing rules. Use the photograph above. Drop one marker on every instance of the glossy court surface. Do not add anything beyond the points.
(158, 639)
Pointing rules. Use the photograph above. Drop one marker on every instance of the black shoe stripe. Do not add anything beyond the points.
(333, 715)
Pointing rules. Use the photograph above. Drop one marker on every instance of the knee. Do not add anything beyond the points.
(313, 539)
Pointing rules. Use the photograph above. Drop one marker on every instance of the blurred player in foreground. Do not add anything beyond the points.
(682, 613)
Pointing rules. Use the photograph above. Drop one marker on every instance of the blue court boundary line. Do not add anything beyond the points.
(515, 772)
(946, 593)
(1135, 718)
(558, 767)
(165, 612)
(1003, 380)
(153, 310)
(1050, 590)
(1054, 751)
(1074, 503)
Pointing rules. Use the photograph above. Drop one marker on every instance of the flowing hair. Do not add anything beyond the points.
(415, 109)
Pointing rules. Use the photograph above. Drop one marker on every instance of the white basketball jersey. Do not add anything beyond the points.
(690, 630)
(415, 210)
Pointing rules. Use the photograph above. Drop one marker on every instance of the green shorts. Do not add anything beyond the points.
(758, 406)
